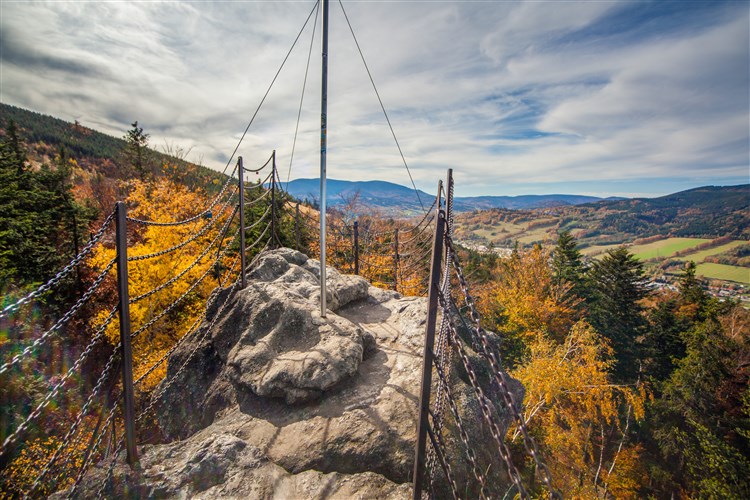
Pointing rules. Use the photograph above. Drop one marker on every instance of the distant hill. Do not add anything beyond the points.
(705, 212)
(394, 198)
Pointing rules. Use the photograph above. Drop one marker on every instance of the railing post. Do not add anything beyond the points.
(273, 200)
(121, 239)
(296, 227)
(429, 342)
(356, 247)
(395, 260)
(241, 175)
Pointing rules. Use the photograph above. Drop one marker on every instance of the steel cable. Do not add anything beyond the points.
(242, 138)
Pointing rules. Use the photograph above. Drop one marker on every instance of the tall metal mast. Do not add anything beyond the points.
(323, 146)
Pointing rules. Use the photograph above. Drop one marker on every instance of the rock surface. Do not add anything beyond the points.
(270, 400)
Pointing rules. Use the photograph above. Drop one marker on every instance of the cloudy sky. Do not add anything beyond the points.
(586, 97)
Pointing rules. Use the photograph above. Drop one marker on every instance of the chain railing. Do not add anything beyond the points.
(415, 257)
(449, 352)
(391, 254)
(212, 236)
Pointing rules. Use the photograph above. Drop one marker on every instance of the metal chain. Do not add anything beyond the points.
(66, 440)
(485, 406)
(100, 493)
(492, 357)
(85, 465)
(187, 241)
(162, 389)
(171, 349)
(187, 269)
(468, 449)
(64, 272)
(439, 446)
(65, 318)
(11, 439)
(182, 297)
(191, 219)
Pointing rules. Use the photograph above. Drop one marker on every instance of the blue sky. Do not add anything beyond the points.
(600, 97)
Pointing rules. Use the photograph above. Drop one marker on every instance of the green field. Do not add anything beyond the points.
(723, 272)
(699, 256)
(665, 248)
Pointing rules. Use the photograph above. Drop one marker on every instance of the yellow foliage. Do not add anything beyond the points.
(527, 297)
(20, 474)
(577, 412)
(165, 201)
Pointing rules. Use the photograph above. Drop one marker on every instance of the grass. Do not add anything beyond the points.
(701, 255)
(723, 272)
(665, 248)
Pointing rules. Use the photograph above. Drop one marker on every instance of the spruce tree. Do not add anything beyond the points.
(617, 284)
(567, 264)
(136, 150)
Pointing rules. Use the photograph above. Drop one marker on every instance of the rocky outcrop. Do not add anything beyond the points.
(271, 400)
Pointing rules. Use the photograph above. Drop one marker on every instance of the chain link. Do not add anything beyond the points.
(499, 376)
(162, 389)
(187, 241)
(185, 294)
(468, 449)
(85, 464)
(65, 318)
(485, 406)
(191, 219)
(12, 438)
(187, 269)
(64, 272)
(66, 440)
(110, 469)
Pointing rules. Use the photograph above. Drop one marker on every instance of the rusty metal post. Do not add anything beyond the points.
(395, 259)
(273, 200)
(429, 342)
(296, 227)
(241, 173)
(121, 239)
(356, 247)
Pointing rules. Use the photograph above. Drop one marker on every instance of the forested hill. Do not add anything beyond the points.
(45, 135)
(709, 211)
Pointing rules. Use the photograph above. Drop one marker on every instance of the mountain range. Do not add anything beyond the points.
(393, 198)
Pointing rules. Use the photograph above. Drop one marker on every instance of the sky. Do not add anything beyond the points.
(604, 98)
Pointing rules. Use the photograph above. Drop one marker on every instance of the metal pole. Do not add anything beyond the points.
(241, 171)
(356, 247)
(429, 342)
(127, 352)
(296, 227)
(395, 260)
(323, 146)
(273, 200)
